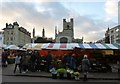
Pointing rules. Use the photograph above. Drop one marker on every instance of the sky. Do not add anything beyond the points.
(91, 18)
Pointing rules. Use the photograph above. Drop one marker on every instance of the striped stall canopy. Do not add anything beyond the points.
(33, 46)
(60, 46)
(70, 46)
(99, 46)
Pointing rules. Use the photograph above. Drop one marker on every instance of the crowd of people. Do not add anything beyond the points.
(33, 61)
(27, 61)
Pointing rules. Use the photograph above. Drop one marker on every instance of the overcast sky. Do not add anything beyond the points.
(91, 18)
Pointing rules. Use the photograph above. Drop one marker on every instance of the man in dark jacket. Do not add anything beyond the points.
(4, 58)
(48, 61)
(85, 67)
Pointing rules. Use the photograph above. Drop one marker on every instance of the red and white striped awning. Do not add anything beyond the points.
(59, 46)
(70, 46)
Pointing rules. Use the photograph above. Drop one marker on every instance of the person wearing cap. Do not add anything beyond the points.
(85, 67)
(73, 62)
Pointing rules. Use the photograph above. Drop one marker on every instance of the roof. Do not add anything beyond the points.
(33, 46)
(69, 46)
(99, 46)
(13, 47)
(60, 46)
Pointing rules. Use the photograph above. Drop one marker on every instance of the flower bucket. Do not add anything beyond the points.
(69, 73)
(61, 72)
(54, 73)
(77, 78)
(77, 75)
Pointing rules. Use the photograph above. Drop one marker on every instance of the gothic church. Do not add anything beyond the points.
(67, 35)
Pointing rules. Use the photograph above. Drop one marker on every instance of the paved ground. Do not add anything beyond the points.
(43, 79)
(8, 71)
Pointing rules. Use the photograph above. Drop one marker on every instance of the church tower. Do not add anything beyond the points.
(67, 35)
(33, 32)
(55, 31)
(43, 33)
(33, 39)
(68, 27)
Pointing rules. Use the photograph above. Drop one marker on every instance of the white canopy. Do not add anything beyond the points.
(2, 46)
(33, 46)
(12, 47)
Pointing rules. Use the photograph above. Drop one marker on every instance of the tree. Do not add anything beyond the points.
(42, 40)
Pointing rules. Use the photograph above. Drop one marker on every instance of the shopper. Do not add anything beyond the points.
(85, 67)
(17, 63)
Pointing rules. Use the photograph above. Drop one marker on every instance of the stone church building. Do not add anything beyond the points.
(67, 34)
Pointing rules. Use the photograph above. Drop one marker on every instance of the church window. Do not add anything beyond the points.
(63, 40)
(68, 26)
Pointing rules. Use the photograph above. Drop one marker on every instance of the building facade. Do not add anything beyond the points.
(13, 34)
(1, 38)
(67, 34)
(113, 35)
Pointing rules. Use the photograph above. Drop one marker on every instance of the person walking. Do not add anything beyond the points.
(4, 58)
(85, 67)
(17, 63)
(38, 61)
(73, 62)
(24, 63)
(33, 61)
(48, 61)
(118, 64)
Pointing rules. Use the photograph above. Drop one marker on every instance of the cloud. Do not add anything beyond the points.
(111, 9)
(49, 15)
(26, 14)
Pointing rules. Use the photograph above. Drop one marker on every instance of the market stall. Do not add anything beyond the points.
(104, 48)
(58, 48)
(101, 56)
(79, 49)
(12, 47)
(33, 46)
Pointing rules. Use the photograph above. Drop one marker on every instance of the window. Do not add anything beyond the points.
(7, 32)
(116, 35)
(11, 38)
(8, 38)
(118, 41)
(0, 38)
(117, 30)
(112, 31)
(11, 43)
(112, 39)
(12, 32)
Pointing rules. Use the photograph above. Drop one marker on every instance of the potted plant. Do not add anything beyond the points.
(69, 73)
(77, 75)
(61, 73)
(54, 73)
